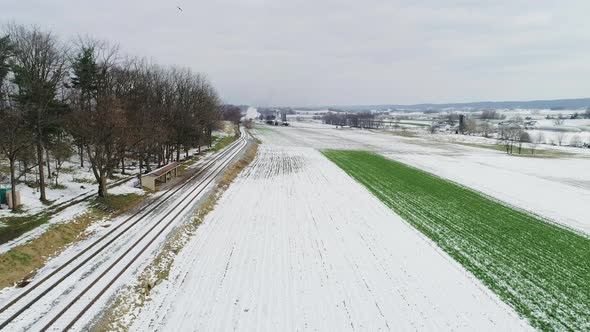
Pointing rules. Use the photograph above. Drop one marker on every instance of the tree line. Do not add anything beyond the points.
(86, 97)
(350, 119)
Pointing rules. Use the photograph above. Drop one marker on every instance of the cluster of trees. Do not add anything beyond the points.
(58, 97)
(233, 114)
(473, 127)
(492, 115)
(511, 136)
(363, 119)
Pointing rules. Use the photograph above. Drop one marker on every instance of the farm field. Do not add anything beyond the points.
(297, 244)
(541, 269)
(555, 188)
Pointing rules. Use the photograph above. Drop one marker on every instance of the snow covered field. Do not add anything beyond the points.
(296, 244)
(555, 188)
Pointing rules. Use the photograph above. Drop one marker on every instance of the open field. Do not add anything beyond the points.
(541, 269)
(555, 188)
(524, 151)
(296, 244)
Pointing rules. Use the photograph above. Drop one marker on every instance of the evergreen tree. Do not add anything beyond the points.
(85, 81)
(85, 78)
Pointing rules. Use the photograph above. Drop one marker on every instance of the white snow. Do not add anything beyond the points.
(554, 188)
(65, 215)
(68, 214)
(71, 172)
(296, 244)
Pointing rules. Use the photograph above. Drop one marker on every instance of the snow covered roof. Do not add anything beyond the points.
(163, 170)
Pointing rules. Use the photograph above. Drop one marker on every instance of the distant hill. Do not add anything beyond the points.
(559, 104)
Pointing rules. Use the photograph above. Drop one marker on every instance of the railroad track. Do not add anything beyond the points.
(77, 306)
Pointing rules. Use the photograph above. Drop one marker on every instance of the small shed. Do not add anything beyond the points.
(161, 175)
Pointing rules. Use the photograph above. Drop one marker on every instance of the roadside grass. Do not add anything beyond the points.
(525, 152)
(221, 143)
(120, 203)
(16, 225)
(20, 262)
(218, 144)
(539, 268)
(186, 164)
(134, 296)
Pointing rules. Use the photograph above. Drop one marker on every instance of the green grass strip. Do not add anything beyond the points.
(542, 270)
(220, 143)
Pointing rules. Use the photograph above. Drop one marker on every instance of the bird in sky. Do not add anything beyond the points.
(179, 8)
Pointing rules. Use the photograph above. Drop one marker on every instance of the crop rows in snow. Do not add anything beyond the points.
(540, 269)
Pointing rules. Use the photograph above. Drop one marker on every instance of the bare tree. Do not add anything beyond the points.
(485, 128)
(231, 113)
(146, 100)
(15, 134)
(559, 136)
(523, 137)
(39, 68)
(492, 115)
(576, 140)
(14, 143)
(508, 136)
(99, 124)
(103, 130)
(535, 140)
(558, 121)
(433, 127)
(61, 150)
(471, 126)
(540, 138)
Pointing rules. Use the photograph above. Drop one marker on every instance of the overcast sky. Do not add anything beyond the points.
(341, 52)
